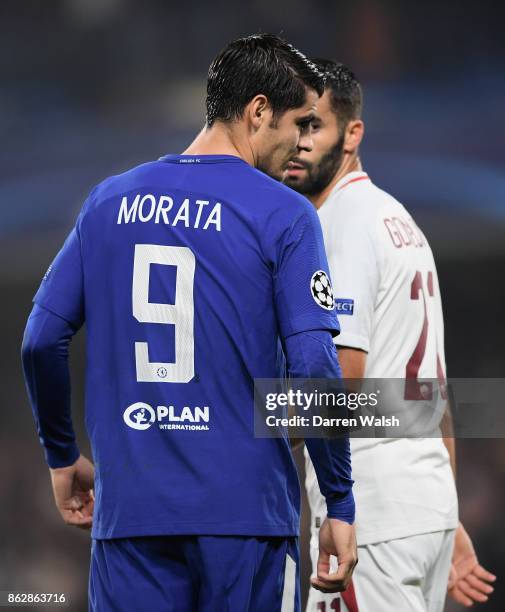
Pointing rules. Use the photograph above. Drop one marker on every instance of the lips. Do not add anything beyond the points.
(294, 169)
(292, 165)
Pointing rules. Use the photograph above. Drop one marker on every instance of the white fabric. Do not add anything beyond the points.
(408, 574)
(289, 589)
(403, 487)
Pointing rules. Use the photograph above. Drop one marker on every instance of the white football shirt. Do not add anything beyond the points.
(388, 302)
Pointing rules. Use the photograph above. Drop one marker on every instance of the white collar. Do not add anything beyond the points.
(350, 177)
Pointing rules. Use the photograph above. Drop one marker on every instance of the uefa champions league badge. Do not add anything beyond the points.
(322, 292)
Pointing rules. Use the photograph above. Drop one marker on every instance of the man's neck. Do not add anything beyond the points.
(352, 164)
(221, 139)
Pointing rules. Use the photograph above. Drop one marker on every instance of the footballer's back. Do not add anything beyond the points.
(188, 270)
(175, 256)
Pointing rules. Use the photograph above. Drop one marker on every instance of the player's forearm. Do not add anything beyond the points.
(447, 429)
(448, 437)
(353, 363)
(47, 377)
(313, 355)
(332, 464)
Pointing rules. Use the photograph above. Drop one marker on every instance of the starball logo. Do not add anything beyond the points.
(142, 416)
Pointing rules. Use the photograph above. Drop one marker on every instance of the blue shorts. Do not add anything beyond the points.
(194, 574)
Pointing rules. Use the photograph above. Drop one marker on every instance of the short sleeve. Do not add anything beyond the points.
(61, 290)
(302, 285)
(354, 266)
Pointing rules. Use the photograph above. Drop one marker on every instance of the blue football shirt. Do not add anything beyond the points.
(187, 272)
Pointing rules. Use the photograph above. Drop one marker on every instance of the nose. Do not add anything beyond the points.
(305, 142)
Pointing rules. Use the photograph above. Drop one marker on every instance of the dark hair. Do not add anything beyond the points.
(346, 94)
(259, 64)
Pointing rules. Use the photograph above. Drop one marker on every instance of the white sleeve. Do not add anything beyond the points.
(351, 247)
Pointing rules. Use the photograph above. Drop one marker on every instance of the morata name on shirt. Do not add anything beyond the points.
(195, 214)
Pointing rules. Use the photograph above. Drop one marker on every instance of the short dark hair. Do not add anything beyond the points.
(259, 64)
(346, 93)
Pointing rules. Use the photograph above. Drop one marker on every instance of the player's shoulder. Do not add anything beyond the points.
(278, 195)
(356, 199)
(386, 207)
(124, 181)
(275, 207)
(385, 202)
(388, 221)
(264, 199)
(357, 212)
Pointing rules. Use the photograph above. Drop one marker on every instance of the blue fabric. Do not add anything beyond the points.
(191, 574)
(313, 355)
(214, 238)
(45, 363)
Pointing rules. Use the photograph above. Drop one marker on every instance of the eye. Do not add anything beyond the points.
(304, 125)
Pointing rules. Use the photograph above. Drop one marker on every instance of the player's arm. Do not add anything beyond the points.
(55, 318)
(45, 363)
(469, 582)
(307, 326)
(447, 430)
(353, 260)
(352, 361)
(312, 354)
(353, 266)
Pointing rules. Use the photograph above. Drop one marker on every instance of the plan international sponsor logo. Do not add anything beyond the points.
(142, 416)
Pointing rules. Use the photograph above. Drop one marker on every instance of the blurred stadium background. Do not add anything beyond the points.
(89, 88)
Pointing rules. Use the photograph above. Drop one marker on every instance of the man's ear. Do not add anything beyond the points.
(354, 133)
(258, 111)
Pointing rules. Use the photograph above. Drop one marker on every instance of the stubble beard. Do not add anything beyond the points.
(320, 175)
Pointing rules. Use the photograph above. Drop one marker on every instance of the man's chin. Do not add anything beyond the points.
(289, 181)
(294, 181)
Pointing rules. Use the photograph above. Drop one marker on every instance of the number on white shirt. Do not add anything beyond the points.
(414, 390)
